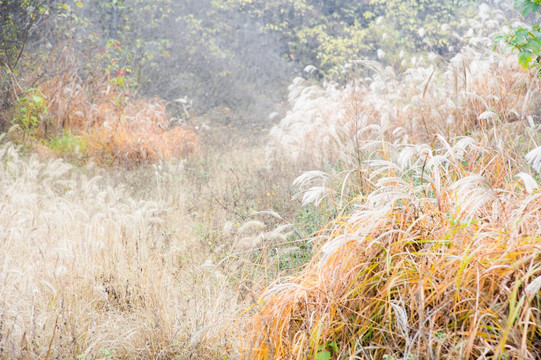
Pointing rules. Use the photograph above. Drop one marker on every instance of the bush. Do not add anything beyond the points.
(101, 120)
(30, 111)
(439, 259)
(525, 39)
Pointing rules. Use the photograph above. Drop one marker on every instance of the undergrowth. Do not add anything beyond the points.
(99, 120)
(434, 248)
(438, 260)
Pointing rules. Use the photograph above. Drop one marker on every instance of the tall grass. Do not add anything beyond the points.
(152, 261)
(414, 234)
(478, 90)
(105, 119)
(435, 249)
(90, 271)
(439, 260)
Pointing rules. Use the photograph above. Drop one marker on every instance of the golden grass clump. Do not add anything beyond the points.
(115, 127)
(138, 132)
(440, 258)
(436, 246)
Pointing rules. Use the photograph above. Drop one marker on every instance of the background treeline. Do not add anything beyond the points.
(228, 56)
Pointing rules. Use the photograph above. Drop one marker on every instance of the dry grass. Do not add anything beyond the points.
(429, 193)
(435, 249)
(229, 189)
(90, 271)
(479, 90)
(440, 260)
(116, 127)
(153, 261)
(105, 120)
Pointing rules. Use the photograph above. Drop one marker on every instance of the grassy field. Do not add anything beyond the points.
(152, 261)
(395, 218)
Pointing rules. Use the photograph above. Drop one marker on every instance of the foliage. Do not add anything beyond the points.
(327, 34)
(69, 145)
(438, 228)
(17, 20)
(527, 7)
(424, 25)
(175, 49)
(526, 39)
(405, 239)
(100, 120)
(439, 256)
(237, 54)
(30, 111)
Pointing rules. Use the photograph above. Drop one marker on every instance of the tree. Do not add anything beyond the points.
(525, 39)
(330, 33)
(206, 50)
(18, 18)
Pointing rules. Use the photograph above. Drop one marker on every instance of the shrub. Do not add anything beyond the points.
(525, 39)
(101, 119)
(30, 111)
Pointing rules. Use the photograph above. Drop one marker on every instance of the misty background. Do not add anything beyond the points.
(227, 60)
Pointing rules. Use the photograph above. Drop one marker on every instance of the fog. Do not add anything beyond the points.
(229, 60)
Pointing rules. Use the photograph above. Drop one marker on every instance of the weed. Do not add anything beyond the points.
(31, 110)
(69, 145)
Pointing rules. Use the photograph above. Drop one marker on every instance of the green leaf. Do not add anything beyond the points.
(37, 99)
(323, 355)
(534, 45)
(334, 346)
(524, 58)
(521, 37)
(507, 48)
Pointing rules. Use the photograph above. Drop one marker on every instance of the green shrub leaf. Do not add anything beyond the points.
(323, 355)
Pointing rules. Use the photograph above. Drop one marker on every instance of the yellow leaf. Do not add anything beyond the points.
(79, 4)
